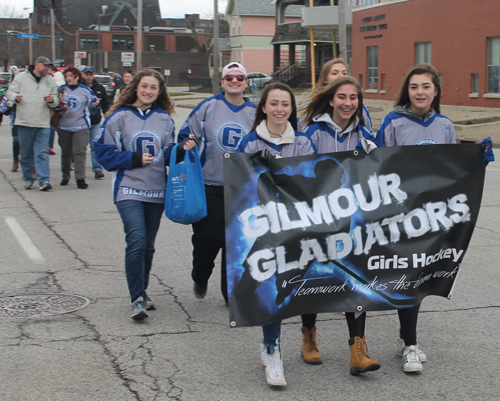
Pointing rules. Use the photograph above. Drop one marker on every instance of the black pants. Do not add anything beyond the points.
(208, 238)
(356, 326)
(408, 324)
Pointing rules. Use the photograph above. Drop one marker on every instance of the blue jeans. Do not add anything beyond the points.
(15, 147)
(52, 137)
(272, 334)
(93, 132)
(141, 221)
(34, 150)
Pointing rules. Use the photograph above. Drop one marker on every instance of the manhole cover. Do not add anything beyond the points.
(23, 306)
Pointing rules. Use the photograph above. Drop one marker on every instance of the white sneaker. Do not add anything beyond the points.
(411, 361)
(264, 356)
(139, 309)
(400, 344)
(274, 370)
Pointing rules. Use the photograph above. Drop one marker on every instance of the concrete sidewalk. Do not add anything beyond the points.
(379, 108)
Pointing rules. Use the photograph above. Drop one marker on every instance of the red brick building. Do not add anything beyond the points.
(461, 38)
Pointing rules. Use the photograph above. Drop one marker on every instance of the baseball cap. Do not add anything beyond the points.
(231, 67)
(43, 60)
(88, 68)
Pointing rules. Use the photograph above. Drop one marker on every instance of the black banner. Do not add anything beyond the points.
(347, 231)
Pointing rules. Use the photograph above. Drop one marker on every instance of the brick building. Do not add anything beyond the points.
(102, 30)
(461, 38)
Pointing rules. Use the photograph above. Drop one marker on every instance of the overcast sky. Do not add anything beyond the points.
(168, 8)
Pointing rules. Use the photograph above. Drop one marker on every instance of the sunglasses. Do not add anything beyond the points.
(230, 77)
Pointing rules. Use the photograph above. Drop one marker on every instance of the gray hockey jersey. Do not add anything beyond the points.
(403, 127)
(123, 138)
(292, 143)
(78, 99)
(329, 137)
(218, 127)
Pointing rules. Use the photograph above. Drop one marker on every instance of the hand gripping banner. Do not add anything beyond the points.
(347, 231)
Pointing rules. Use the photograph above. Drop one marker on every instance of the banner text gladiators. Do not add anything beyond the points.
(344, 202)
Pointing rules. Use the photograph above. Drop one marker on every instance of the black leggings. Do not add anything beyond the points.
(356, 326)
(408, 324)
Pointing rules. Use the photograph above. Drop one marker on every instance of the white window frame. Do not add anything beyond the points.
(423, 52)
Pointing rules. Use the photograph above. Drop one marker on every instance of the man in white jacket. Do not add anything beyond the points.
(35, 93)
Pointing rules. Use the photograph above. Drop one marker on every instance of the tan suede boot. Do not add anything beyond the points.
(361, 361)
(15, 166)
(310, 353)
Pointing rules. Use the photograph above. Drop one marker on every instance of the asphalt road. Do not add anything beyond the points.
(186, 349)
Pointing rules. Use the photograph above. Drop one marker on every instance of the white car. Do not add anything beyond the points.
(258, 78)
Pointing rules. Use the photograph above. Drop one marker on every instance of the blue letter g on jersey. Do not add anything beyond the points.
(231, 136)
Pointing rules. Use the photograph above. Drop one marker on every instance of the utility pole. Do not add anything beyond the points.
(30, 43)
(98, 64)
(139, 35)
(342, 30)
(215, 78)
(313, 52)
(53, 31)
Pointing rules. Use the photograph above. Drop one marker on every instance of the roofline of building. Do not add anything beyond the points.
(361, 8)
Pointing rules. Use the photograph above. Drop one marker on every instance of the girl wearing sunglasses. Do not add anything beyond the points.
(216, 125)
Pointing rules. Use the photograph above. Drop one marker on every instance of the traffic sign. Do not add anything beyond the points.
(27, 35)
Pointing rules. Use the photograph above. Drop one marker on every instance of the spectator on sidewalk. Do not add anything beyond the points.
(95, 119)
(74, 126)
(35, 93)
(127, 77)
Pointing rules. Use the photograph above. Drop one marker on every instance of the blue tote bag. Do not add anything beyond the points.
(185, 201)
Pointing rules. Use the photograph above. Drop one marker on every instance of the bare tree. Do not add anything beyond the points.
(204, 48)
(13, 50)
(7, 11)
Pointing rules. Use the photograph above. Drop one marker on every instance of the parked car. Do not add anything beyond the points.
(5, 78)
(258, 78)
(107, 82)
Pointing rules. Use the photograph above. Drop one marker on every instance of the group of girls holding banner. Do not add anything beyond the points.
(334, 119)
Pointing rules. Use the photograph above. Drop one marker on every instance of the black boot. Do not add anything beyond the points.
(82, 184)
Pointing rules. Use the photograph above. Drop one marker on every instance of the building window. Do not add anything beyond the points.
(184, 43)
(89, 42)
(493, 64)
(239, 26)
(123, 42)
(300, 55)
(423, 52)
(234, 26)
(372, 71)
(474, 81)
(365, 2)
(155, 42)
